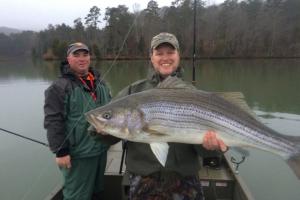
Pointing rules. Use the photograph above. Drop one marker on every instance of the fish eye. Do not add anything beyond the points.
(107, 115)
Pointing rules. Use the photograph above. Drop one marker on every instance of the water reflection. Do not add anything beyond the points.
(268, 85)
(120, 74)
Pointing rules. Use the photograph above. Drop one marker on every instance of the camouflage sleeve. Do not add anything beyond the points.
(124, 92)
(135, 87)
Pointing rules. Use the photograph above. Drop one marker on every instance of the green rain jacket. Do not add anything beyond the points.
(140, 160)
(66, 101)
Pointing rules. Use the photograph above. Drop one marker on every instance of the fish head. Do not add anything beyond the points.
(117, 120)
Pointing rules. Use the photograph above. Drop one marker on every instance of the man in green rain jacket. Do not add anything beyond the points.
(81, 159)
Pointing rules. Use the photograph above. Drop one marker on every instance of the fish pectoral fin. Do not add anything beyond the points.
(160, 151)
(294, 164)
(152, 130)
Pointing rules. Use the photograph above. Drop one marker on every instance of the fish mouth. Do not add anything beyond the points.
(92, 119)
(89, 118)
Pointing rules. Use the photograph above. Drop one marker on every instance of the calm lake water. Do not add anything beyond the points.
(271, 88)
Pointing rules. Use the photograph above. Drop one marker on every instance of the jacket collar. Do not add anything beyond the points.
(155, 78)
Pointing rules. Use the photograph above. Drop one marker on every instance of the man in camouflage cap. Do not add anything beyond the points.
(164, 54)
(179, 179)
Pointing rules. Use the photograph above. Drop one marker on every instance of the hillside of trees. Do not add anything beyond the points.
(8, 31)
(248, 28)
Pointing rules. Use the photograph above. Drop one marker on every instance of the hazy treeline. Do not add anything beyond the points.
(248, 28)
(17, 44)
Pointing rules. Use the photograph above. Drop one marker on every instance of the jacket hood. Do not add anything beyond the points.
(155, 78)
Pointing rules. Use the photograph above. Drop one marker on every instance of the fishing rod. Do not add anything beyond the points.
(24, 137)
(194, 43)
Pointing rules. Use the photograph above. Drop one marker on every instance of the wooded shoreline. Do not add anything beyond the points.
(184, 58)
(233, 29)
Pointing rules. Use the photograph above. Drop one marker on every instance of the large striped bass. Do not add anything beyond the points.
(175, 113)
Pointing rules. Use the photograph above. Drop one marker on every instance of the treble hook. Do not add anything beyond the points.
(237, 163)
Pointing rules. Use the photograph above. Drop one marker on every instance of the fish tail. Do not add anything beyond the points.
(293, 160)
(294, 163)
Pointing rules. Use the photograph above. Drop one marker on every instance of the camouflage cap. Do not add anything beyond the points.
(164, 37)
(77, 46)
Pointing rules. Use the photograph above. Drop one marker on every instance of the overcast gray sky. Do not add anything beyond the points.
(37, 14)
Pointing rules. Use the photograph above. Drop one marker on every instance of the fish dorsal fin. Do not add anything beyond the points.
(238, 99)
(174, 82)
(160, 150)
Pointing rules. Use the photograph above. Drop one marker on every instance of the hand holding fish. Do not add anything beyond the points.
(212, 142)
